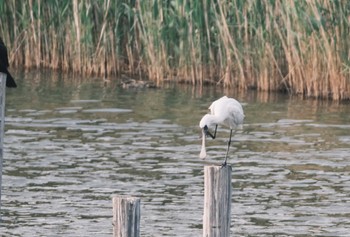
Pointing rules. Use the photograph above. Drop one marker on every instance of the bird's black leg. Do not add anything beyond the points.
(228, 147)
(216, 128)
(206, 130)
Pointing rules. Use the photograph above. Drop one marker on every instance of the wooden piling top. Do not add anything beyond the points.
(217, 201)
(126, 216)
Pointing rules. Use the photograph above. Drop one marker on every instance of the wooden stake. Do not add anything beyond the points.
(217, 201)
(126, 216)
(2, 123)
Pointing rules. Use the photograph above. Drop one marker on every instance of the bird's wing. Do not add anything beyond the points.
(228, 110)
(216, 104)
(235, 114)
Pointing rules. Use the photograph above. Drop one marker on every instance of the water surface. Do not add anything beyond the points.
(71, 144)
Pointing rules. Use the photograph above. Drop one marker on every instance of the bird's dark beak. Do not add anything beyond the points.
(206, 130)
(203, 153)
(207, 133)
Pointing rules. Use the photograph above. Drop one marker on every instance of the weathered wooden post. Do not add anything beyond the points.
(2, 123)
(126, 216)
(217, 201)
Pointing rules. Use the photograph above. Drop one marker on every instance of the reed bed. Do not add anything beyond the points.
(300, 47)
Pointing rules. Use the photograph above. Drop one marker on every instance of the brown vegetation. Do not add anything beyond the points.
(297, 46)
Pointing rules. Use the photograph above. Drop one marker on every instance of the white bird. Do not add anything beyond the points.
(224, 111)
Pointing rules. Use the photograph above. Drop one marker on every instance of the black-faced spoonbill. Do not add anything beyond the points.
(224, 111)
(4, 64)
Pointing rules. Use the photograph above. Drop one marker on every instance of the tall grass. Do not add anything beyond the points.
(299, 46)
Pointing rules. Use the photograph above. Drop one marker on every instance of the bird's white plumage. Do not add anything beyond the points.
(224, 111)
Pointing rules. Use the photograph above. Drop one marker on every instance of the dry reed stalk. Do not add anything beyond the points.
(77, 55)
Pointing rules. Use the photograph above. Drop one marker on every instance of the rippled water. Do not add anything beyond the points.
(70, 145)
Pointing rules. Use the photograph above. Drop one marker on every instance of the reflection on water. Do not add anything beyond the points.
(70, 145)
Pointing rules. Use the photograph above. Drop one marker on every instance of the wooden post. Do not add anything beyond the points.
(126, 216)
(217, 201)
(2, 123)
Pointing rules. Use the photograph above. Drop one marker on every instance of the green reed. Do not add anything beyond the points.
(298, 46)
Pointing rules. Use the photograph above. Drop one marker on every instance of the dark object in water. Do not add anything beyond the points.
(133, 83)
(4, 64)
